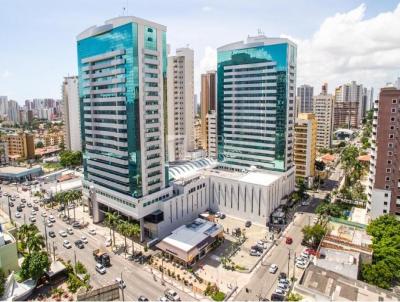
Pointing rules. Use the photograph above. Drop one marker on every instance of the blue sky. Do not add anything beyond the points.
(38, 48)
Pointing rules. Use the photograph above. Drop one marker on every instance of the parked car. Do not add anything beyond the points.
(79, 244)
(76, 225)
(49, 224)
(289, 240)
(70, 231)
(247, 224)
(51, 218)
(255, 253)
(11, 204)
(36, 208)
(100, 268)
(63, 233)
(300, 265)
(121, 283)
(17, 215)
(19, 209)
(23, 200)
(108, 242)
(22, 205)
(52, 234)
(29, 205)
(172, 295)
(60, 208)
(142, 298)
(67, 244)
(92, 231)
(282, 275)
(258, 248)
(32, 219)
(282, 286)
(44, 214)
(279, 291)
(273, 268)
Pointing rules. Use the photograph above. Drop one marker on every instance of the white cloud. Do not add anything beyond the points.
(345, 47)
(206, 8)
(349, 47)
(5, 74)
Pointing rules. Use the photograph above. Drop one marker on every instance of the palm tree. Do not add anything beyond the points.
(123, 228)
(134, 231)
(112, 219)
(35, 243)
(23, 234)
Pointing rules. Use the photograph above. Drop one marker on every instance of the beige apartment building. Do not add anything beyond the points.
(305, 139)
(207, 104)
(323, 110)
(21, 145)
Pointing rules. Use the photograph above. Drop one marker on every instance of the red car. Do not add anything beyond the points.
(311, 252)
(289, 240)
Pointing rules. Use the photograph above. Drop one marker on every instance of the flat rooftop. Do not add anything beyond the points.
(258, 177)
(18, 170)
(342, 262)
(339, 288)
(188, 236)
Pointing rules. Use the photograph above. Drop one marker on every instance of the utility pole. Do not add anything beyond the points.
(294, 269)
(45, 233)
(288, 272)
(122, 288)
(9, 209)
(54, 252)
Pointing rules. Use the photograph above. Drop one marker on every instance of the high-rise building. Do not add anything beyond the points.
(383, 189)
(197, 132)
(71, 117)
(323, 110)
(256, 97)
(13, 112)
(305, 139)
(180, 95)
(305, 94)
(211, 120)
(3, 107)
(207, 103)
(21, 145)
(348, 105)
(122, 70)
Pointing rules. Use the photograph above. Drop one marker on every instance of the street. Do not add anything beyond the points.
(138, 281)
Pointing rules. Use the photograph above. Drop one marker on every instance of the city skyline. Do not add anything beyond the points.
(51, 48)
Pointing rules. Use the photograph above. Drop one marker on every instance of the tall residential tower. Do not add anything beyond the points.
(207, 104)
(180, 91)
(305, 94)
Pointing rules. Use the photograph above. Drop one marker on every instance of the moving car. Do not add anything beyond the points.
(172, 295)
(44, 214)
(84, 239)
(289, 240)
(142, 298)
(67, 244)
(52, 234)
(108, 242)
(247, 224)
(51, 218)
(32, 219)
(22, 205)
(63, 233)
(29, 205)
(100, 268)
(255, 253)
(36, 208)
(79, 244)
(19, 209)
(76, 225)
(17, 215)
(121, 283)
(70, 231)
(11, 204)
(273, 268)
(92, 231)
(49, 224)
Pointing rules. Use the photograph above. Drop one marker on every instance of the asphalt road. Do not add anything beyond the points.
(263, 283)
(138, 281)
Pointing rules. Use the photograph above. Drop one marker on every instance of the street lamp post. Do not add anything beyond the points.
(288, 272)
(45, 234)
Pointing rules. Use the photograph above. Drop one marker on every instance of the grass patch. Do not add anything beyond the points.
(218, 296)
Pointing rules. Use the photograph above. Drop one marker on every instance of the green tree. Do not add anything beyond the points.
(35, 243)
(34, 265)
(378, 274)
(328, 209)
(80, 268)
(314, 234)
(294, 297)
(71, 158)
(319, 165)
(134, 232)
(2, 281)
(111, 220)
(39, 145)
(123, 227)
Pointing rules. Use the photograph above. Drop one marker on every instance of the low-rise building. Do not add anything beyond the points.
(4, 153)
(20, 174)
(8, 253)
(191, 242)
(319, 284)
(21, 145)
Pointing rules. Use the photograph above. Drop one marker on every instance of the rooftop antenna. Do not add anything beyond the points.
(260, 32)
(123, 10)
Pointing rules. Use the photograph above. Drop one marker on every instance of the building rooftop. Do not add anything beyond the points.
(184, 169)
(345, 263)
(322, 284)
(12, 170)
(188, 236)
(254, 41)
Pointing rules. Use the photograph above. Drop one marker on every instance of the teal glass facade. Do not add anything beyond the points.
(252, 105)
(109, 88)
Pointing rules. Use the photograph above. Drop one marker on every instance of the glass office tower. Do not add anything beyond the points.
(122, 70)
(256, 83)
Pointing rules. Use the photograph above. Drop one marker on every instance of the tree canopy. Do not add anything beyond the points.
(71, 158)
(313, 234)
(384, 271)
(34, 265)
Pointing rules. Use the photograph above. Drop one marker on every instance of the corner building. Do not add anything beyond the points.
(256, 82)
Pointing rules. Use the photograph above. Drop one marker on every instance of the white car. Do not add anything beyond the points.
(84, 239)
(279, 291)
(33, 212)
(66, 244)
(51, 218)
(70, 231)
(100, 268)
(300, 265)
(63, 233)
(120, 282)
(108, 242)
(17, 215)
(172, 295)
(92, 231)
(273, 268)
(44, 214)
(49, 224)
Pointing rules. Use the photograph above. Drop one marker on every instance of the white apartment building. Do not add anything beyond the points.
(323, 110)
(212, 134)
(13, 112)
(180, 105)
(71, 116)
(3, 106)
